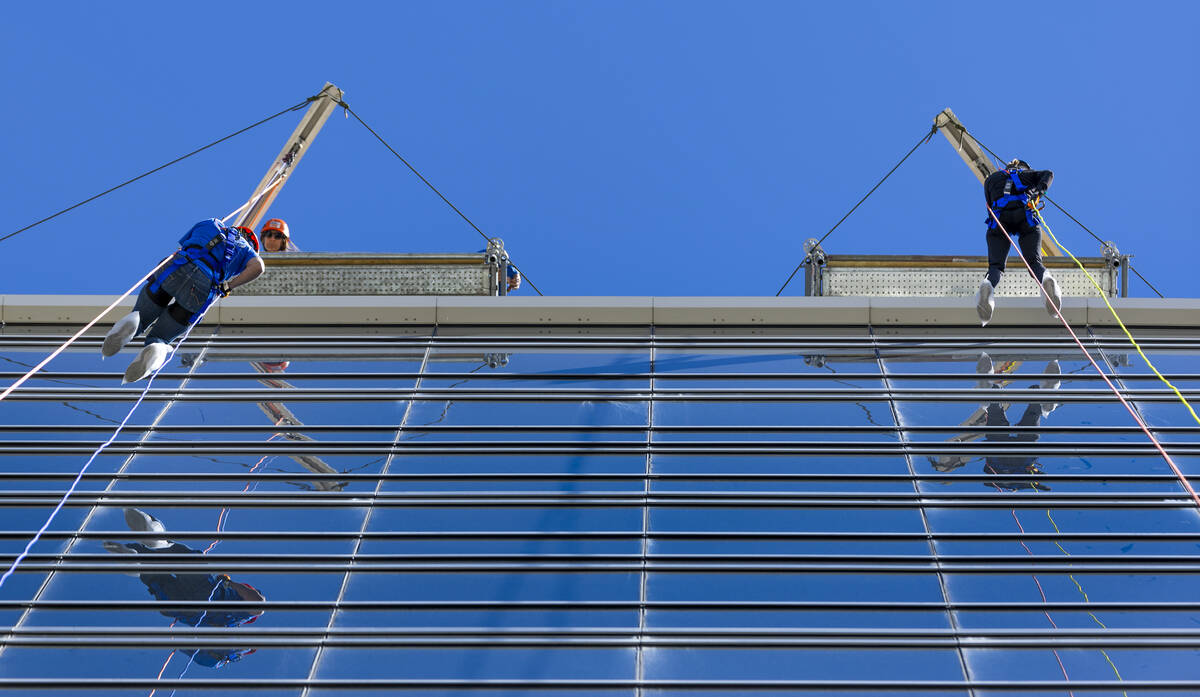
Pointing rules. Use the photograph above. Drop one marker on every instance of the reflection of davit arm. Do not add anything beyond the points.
(282, 416)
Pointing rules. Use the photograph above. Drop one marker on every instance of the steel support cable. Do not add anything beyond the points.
(1064, 212)
(1183, 480)
(924, 139)
(432, 188)
(162, 167)
(1104, 297)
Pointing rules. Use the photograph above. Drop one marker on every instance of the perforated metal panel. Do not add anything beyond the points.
(942, 279)
(334, 274)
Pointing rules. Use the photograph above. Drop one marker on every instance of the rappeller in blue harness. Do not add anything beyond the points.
(1012, 194)
(212, 260)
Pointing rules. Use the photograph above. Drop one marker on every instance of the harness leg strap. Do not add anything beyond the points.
(180, 314)
(158, 296)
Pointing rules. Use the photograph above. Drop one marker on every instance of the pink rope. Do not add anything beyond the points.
(1174, 467)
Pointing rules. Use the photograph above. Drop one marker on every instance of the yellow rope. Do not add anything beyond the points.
(1104, 297)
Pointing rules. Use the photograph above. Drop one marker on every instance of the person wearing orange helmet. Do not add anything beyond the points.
(212, 259)
(276, 237)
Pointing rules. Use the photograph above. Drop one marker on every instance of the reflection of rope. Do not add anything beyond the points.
(1183, 480)
(860, 405)
(192, 658)
(164, 665)
(1104, 297)
(223, 516)
(1044, 600)
(1085, 599)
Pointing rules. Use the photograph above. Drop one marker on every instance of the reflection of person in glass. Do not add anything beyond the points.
(1032, 417)
(166, 586)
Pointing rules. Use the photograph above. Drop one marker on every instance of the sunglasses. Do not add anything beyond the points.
(277, 235)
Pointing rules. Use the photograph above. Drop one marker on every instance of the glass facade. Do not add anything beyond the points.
(624, 510)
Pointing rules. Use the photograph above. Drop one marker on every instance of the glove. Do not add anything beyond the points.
(223, 288)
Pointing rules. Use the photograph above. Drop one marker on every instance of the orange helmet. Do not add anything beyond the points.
(249, 235)
(276, 225)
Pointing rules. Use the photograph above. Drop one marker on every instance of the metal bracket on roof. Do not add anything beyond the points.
(497, 258)
(1117, 263)
(814, 267)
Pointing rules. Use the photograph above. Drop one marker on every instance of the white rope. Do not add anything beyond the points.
(79, 477)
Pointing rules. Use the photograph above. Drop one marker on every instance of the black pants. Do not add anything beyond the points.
(1029, 238)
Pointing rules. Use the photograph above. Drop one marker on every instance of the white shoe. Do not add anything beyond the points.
(118, 548)
(149, 360)
(1051, 381)
(984, 367)
(1053, 297)
(120, 334)
(985, 301)
(141, 521)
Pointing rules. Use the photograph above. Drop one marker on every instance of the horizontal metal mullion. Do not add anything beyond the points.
(640, 498)
(744, 394)
(369, 535)
(597, 605)
(698, 448)
(582, 428)
(240, 477)
(666, 376)
(734, 686)
(254, 634)
(216, 559)
(1008, 500)
(1045, 565)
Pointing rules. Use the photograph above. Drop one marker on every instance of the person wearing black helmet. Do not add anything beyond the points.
(212, 259)
(1011, 195)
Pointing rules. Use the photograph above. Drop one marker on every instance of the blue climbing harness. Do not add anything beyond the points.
(197, 246)
(1010, 198)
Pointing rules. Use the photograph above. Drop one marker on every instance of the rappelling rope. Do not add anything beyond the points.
(8, 390)
(1104, 297)
(20, 381)
(1104, 376)
(71, 489)
(276, 179)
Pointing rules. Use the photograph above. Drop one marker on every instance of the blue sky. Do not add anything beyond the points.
(619, 148)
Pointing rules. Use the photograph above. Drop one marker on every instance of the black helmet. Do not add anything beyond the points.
(1017, 164)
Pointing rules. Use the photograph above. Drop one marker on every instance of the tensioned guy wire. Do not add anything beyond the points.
(432, 188)
(924, 139)
(162, 167)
